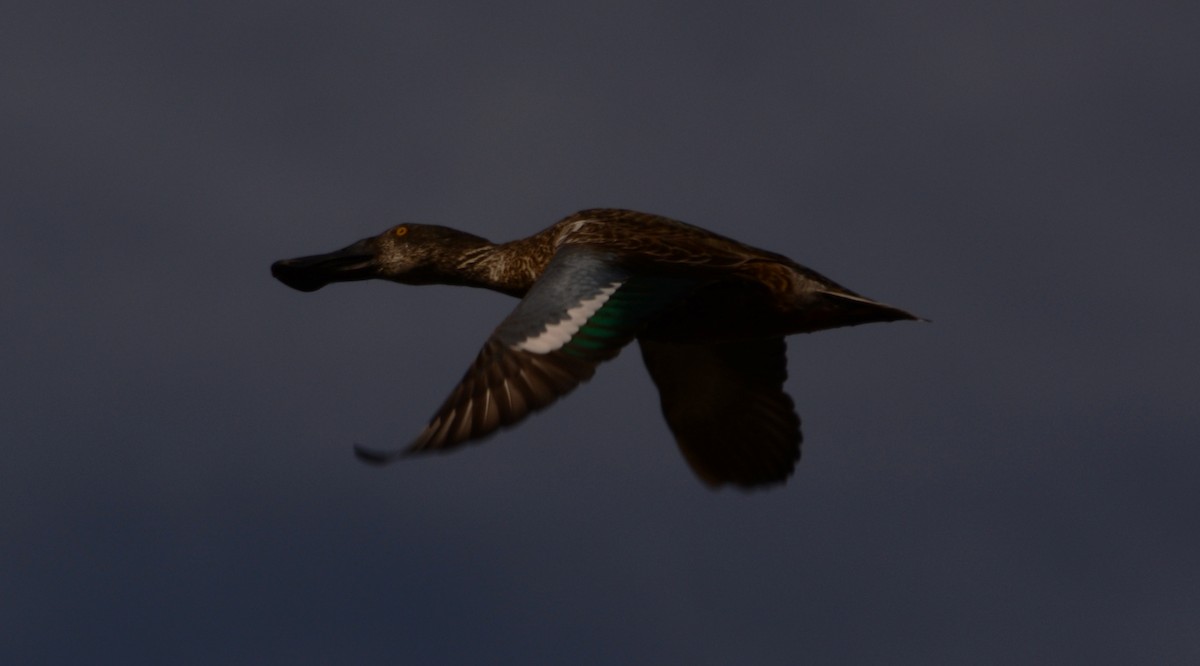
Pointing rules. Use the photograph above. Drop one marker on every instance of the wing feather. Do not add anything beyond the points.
(726, 406)
(580, 313)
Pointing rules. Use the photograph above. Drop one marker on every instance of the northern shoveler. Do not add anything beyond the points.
(709, 314)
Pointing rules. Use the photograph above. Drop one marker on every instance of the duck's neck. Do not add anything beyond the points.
(509, 268)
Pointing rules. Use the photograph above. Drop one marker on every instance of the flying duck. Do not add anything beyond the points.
(709, 315)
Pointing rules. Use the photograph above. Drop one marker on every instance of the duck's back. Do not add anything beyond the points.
(653, 239)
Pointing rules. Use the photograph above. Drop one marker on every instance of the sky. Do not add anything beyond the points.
(1014, 482)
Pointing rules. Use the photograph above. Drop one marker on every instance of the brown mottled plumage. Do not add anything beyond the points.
(710, 314)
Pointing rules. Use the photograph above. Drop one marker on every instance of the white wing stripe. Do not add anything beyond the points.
(560, 333)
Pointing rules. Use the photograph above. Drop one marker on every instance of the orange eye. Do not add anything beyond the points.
(400, 231)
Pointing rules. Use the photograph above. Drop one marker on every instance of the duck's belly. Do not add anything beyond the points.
(720, 312)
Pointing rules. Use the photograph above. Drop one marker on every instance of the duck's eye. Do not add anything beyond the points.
(400, 231)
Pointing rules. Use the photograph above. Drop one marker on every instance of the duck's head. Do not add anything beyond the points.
(406, 253)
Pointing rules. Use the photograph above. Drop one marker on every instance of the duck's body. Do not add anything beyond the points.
(709, 313)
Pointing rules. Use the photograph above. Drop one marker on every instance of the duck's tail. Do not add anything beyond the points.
(835, 308)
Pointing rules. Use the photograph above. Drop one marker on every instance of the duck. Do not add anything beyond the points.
(710, 316)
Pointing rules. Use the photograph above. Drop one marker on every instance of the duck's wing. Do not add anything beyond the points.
(582, 310)
(726, 406)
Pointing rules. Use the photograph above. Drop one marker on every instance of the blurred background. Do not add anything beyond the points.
(1012, 483)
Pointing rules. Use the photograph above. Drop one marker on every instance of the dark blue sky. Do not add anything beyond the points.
(1013, 483)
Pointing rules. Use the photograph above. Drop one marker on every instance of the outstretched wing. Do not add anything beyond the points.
(726, 406)
(582, 310)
